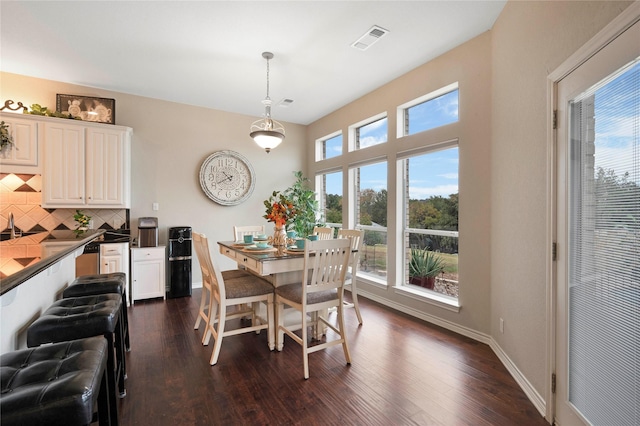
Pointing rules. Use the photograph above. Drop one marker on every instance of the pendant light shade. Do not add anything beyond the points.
(266, 132)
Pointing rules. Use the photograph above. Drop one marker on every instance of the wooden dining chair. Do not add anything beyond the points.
(323, 233)
(356, 237)
(207, 290)
(325, 266)
(240, 231)
(239, 289)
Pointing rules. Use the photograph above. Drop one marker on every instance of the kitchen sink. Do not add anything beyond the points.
(4, 236)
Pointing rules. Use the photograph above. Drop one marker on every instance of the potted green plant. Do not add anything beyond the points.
(424, 266)
(305, 203)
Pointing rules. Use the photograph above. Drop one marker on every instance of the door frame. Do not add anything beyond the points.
(620, 24)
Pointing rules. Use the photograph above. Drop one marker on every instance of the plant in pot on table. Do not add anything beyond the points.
(281, 211)
(306, 205)
(424, 266)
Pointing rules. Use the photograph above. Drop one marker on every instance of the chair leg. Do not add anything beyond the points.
(343, 334)
(354, 298)
(120, 359)
(211, 319)
(217, 344)
(203, 301)
(254, 317)
(270, 319)
(305, 353)
(111, 377)
(125, 324)
(279, 332)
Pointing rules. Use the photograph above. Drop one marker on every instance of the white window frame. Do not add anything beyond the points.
(320, 145)
(402, 125)
(353, 131)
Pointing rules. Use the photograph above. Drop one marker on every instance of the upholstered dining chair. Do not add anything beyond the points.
(356, 237)
(240, 231)
(207, 289)
(323, 233)
(325, 266)
(239, 289)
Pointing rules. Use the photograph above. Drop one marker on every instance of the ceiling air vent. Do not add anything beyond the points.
(369, 38)
(285, 103)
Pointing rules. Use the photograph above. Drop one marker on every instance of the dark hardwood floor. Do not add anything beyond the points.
(404, 372)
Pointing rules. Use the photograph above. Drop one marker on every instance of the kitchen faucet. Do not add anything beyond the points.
(11, 226)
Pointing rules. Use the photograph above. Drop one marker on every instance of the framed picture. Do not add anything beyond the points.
(98, 110)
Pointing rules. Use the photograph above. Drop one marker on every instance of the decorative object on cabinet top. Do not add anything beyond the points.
(87, 108)
(9, 102)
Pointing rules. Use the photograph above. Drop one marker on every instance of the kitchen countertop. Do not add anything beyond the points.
(22, 258)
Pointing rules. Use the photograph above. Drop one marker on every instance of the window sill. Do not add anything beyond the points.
(433, 298)
(372, 280)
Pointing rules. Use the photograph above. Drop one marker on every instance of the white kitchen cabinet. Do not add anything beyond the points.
(114, 257)
(86, 165)
(148, 272)
(24, 156)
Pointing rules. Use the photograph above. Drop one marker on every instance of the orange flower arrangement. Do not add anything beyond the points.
(279, 209)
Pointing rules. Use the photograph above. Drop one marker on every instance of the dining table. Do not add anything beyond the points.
(278, 265)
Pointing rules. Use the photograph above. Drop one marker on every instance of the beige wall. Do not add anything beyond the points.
(530, 40)
(170, 142)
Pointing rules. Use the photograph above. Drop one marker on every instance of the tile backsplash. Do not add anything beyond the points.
(21, 194)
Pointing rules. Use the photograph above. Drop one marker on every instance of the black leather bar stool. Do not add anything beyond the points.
(57, 384)
(90, 285)
(80, 317)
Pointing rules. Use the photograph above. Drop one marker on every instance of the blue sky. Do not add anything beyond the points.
(430, 174)
(617, 107)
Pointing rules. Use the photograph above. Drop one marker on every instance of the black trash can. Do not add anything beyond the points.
(179, 261)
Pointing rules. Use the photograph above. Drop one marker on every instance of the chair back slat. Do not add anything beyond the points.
(240, 231)
(356, 237)
(326, 268)
(323, 233)
(210, 271)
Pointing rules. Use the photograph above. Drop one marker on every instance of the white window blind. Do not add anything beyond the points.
(604, 252)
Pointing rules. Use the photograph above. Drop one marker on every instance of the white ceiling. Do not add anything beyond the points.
(209, 53)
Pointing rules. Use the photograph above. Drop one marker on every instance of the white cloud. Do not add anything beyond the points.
(426, 192)
(449, 175)
(372, 140)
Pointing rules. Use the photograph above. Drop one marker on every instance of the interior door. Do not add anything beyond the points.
(598, 233)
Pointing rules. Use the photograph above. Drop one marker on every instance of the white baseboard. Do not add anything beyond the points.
(536, 399)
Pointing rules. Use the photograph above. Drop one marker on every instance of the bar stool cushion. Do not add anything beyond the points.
(54, 384)
(75, 318)
(114, 282)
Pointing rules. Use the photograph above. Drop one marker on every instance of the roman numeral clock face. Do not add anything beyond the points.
(227, 178)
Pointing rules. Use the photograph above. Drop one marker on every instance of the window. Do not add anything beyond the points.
(329, 147)
(431, 218)
(433, 110)
(371, 216)
(371, 133)
(330, 191)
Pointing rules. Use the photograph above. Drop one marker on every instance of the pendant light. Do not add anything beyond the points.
(266, 132)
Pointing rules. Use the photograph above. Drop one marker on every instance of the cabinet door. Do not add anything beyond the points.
(64, 176)
(109, 264)
(23, 156)
(148, 279)
(107, 168)
(148, 273)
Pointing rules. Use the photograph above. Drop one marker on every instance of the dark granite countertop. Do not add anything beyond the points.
(22, 258)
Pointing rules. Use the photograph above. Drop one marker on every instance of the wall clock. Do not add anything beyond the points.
(227, 178)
